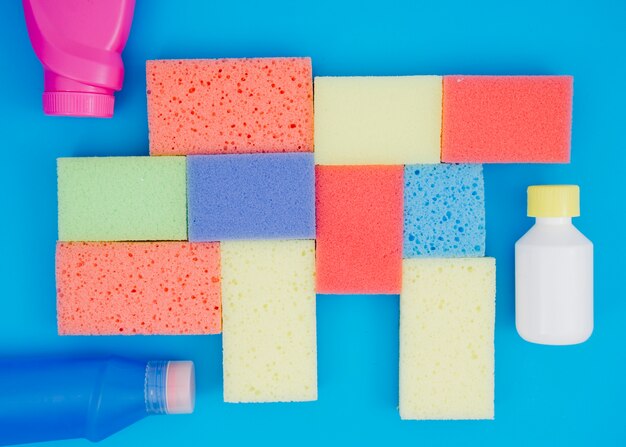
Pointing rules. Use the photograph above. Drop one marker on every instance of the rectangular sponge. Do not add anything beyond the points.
(122, 199)
(447, 314)
(377, 120)
(226, 106)
(251, 196)
(507, 119)
(444, 210)
(127, 288)
(269, 339)
(359, 229)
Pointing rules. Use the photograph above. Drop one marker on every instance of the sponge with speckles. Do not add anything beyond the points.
(127, 288)
(506, 119)
(122, 198)
(444, 211)
(269, 338)
(226, 106)
(447, 315)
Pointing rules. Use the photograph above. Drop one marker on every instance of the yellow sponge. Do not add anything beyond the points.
(377, 120)
(268, 311)
(447, 313)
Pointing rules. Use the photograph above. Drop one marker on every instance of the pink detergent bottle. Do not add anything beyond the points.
(79, 44)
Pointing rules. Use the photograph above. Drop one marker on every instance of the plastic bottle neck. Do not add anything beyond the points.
(155, 387)
(553, 221)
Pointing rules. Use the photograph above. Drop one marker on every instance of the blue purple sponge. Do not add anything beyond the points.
(444, 210)
(251, 196)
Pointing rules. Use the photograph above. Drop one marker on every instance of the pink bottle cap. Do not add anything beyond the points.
(67, 97)
(180, 387)
(78, 104)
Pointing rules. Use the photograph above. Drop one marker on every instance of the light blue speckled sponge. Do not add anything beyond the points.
(444, 210)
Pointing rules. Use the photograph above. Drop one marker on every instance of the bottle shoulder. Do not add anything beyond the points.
(554, 235)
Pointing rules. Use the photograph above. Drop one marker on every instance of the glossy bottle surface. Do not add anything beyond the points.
(79, 44)
(554, 283)
(52, 399)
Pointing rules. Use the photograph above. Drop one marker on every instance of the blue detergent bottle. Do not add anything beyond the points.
(52, 399)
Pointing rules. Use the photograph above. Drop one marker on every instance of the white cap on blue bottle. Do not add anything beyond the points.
(180, 387)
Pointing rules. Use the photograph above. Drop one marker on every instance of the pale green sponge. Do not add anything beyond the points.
(122, 198)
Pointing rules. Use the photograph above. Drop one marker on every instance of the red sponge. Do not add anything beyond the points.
(128, 288)
(227, 106)
(507, 119)
(359, 229)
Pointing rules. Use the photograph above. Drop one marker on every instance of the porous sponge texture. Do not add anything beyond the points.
(269, 339)
(122, 198)
(128, 288)
(444, 210)
(507, 119)
(359, 229)
(447, 314)
(377, 120)
(251, 196)
(225, 106)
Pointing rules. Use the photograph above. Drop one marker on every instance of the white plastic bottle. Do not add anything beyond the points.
(554, 271)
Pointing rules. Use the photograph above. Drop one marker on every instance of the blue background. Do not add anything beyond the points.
(544, 395)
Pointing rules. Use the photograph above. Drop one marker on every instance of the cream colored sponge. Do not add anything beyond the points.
(377, 120)
(447, 313)
(268, 304)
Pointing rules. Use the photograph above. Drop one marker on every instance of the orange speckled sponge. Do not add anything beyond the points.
(506, 119)
(127, 288)
(230, 106)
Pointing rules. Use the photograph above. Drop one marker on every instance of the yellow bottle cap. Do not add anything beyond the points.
(554, 201)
